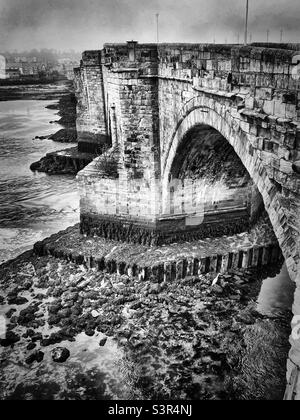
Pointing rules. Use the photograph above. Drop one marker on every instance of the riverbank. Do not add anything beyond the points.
(56, 163)
(66, 107)
(32, 80)
(44, 92)
(62, 91)
(65, 161)
(68, 161)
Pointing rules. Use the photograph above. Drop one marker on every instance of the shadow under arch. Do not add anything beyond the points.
(230, 129)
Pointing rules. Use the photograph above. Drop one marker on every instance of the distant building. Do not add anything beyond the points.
(13, 73)
(2, 67)
(16, 66)
(66, 67)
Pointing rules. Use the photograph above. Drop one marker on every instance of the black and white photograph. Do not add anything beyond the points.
(150, 203)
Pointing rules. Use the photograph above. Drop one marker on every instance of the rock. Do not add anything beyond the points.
(60, 354)
(54, 308)
(71, 296)
(40, 296)
(246, 318)
(10, 313)
(90, 332)
(35, 166)
(10, 339)
(155, 289)
(53, 320)
(41, 137)
(29, 333)
(92, 295)
(27, 284)
(59, 336)
(64, 313)
(17, 300)
(37, 337)
(14, 321)
(135, 306)
(95, 314)
(27, 315)
(296, 167)
(31, 346)
(103, 341)
(37, 356)
(217, 289)
(76, 311)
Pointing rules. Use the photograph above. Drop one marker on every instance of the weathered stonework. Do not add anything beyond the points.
(258, 248)
(145, 99)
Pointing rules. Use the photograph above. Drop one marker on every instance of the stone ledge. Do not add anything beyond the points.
(170, 262)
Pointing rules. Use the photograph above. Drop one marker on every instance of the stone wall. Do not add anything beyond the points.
(92, 125)
(248, 93)
(154, 95)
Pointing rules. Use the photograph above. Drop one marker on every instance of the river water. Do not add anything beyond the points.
(32, 206)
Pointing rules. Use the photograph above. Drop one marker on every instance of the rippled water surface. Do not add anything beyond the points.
(32, 206)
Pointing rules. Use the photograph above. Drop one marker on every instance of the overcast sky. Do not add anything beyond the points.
(87, 24)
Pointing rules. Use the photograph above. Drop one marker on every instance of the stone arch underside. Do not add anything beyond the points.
(229, 128)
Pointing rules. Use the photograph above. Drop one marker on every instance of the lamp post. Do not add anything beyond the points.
(281, 35)
(246, 23)
(157, 28)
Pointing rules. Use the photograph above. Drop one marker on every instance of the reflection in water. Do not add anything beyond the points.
(32, 206)
(277, 293)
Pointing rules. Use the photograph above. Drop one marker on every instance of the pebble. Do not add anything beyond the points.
(37, 356)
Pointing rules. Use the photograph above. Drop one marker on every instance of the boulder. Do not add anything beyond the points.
(31, 346)
(103, 341)
(60, 354)
(37, 356)
(10, 339)
(296, 167)
(17, 300)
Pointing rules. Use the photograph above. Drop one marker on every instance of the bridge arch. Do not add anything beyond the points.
(230, 128)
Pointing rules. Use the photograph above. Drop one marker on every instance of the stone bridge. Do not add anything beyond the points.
(193, 139)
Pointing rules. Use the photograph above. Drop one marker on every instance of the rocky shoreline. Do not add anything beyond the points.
(69, 161)
(66, 107)
(122, 337)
